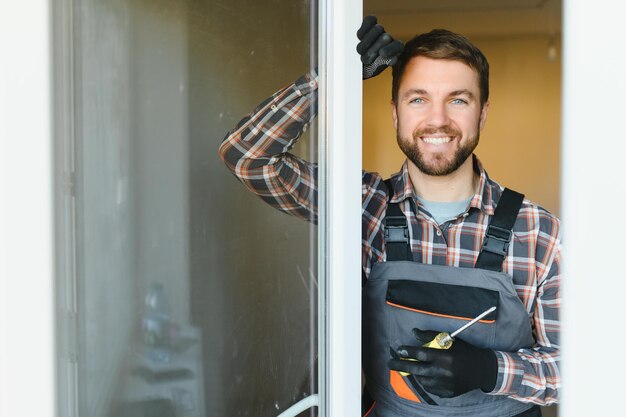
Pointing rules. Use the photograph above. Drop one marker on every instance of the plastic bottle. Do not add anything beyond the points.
(155, 324)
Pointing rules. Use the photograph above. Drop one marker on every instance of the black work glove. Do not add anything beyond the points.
(451, 372)
(377, 49)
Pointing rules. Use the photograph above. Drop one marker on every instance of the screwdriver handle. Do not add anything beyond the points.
(442, 341)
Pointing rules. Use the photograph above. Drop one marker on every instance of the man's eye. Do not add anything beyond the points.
(417, 100)
(459, 101)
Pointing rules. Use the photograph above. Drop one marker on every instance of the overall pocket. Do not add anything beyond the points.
(439, 307)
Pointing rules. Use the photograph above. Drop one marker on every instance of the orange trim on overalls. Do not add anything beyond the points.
(401, 388)
(437, 314)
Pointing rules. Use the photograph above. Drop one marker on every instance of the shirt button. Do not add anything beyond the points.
(438, 232)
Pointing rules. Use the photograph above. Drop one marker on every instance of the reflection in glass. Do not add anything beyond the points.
(180, 293)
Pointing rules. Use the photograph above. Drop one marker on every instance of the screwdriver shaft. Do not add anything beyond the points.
(473, 321)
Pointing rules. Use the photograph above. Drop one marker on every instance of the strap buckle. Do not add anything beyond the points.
(398, 233)
(497, 240)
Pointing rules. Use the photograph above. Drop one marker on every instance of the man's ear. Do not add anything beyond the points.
(483, 116)
(394, 114)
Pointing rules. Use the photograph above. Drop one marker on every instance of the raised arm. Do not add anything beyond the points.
(257, 150)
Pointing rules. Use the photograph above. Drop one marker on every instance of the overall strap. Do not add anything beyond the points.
(397, 243)
(499, 232)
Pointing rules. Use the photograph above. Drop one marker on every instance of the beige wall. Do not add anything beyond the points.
(520, 145)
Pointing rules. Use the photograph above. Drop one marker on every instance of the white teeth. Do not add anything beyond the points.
(437, 141)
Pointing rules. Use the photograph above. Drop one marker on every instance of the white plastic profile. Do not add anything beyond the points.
(26, 266)
(340, 205)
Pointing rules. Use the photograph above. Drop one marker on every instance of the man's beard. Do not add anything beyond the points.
(439, 164)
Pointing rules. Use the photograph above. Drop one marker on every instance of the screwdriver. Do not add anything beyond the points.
(444, 339)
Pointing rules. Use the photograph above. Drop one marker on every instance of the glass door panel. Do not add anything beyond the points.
(180, 293)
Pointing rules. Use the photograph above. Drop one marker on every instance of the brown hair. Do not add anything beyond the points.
(443, 44)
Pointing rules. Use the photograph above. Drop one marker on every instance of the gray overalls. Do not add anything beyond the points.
(401, 294)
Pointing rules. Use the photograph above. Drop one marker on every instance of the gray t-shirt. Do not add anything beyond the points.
(442, 212)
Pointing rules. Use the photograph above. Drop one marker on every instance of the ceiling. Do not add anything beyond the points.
(405, 18)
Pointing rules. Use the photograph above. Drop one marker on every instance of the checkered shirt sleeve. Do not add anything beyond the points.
(257, 150)
(533, 375)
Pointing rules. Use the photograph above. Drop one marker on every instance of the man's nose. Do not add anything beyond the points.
(438, 115)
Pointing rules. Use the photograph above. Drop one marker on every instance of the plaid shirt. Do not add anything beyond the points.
(256, 151)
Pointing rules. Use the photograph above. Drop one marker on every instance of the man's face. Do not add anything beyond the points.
(438, 115)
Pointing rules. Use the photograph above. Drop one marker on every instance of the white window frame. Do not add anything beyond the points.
(339, 124)
(27, 350)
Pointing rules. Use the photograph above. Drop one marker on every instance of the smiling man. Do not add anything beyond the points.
(441, 241)
(438, 115)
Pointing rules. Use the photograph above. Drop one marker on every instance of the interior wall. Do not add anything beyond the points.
(520, 145)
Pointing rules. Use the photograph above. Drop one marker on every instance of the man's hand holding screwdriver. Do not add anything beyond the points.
(448, 367)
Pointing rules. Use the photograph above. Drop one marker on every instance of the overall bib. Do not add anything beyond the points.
(401, 294)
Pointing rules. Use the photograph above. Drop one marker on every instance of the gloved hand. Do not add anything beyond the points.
(450, 372)
(377, 49)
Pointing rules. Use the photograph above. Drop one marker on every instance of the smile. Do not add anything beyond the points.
(436, 140)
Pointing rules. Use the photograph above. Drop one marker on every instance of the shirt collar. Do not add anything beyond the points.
(482, 199)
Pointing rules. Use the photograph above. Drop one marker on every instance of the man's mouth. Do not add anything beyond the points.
(436, 140)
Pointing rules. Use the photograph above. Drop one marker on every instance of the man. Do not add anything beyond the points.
(441, 241)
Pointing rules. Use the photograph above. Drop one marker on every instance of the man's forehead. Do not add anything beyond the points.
(423, 73)
(421, 60)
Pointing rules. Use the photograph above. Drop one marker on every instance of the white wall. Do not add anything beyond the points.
(594, 145)
(26, 263)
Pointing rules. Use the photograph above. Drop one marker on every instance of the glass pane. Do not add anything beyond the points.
(181, 293)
